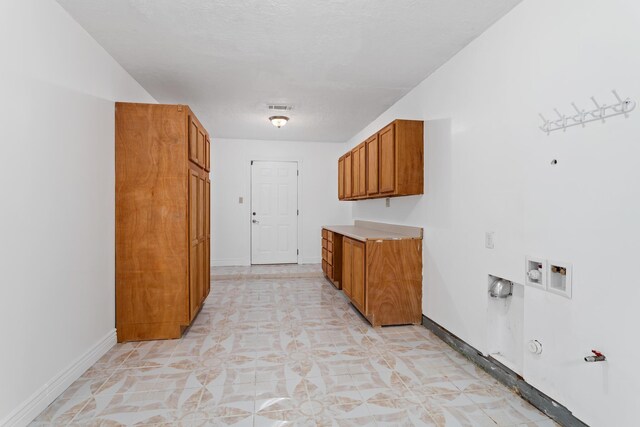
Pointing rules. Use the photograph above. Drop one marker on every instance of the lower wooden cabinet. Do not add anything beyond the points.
(383, 279)
(353, 262)
(332, 257)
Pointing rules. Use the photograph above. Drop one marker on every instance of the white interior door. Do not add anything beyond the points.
(274, 212)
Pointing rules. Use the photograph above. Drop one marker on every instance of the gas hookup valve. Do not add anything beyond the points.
(597, 357)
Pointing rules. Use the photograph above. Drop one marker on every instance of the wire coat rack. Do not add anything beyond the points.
(581, 117)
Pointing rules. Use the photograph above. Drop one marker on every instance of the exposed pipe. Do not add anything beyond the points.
(597, 357)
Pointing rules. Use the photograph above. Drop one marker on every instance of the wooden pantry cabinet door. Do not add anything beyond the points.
(207, 155)
(193, 207)
(201, 141)
(202, 184)
(194, 276)
(193, 140)
(386, 138)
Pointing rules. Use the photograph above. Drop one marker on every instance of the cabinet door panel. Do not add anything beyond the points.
(201, 208)
(341, 178)
(207, 155)
(346, 266)
(200, 148)
(355, 173)
(193, 140)
(387, 159)
(208, 271)
(193, 206)
(358, 275)
(372, 165)
(362, 177)
(207, 216)
(202, 261)
(348, 180)
(194, 278)
(207, 208)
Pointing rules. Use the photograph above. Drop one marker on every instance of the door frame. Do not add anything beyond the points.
(299, 161)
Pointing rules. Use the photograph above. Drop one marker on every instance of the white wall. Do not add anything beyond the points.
(488, 169)
(57, 210)
(231, 179)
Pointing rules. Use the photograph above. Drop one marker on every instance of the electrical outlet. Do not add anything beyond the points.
(387, 202)
(241, 200)
(488, 240)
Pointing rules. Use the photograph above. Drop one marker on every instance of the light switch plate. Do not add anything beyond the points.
(488, 240)
(241, 200)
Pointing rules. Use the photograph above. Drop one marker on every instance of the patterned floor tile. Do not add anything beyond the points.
(280, 346)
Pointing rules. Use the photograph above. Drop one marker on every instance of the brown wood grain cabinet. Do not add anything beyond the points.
(347, 266)
(387, 159)
(383, 279)
(362, 176)
(341, 178)
(356, 260)
(355, 173)
(332, 257)
(348, 179)
(390, 163)
(162, 220)
(372, 165)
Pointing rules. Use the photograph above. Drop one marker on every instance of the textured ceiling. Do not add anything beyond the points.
(340, 63)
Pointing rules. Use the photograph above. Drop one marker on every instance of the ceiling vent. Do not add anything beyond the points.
(279, 108)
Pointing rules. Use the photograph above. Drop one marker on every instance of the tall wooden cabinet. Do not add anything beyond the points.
(162, 220)
(389, 163)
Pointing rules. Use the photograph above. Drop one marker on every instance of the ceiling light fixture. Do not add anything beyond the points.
(278, 121)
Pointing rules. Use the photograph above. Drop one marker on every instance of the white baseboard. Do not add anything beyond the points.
(34, 405)
(229, 262)
(234, 262)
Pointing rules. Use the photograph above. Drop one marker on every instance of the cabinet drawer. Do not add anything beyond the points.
(324, 233)
(329, 235)
(329, 246)
(324, 254)
(329, 271)
(329, 258)
(325, 243)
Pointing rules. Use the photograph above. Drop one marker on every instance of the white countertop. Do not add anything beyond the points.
(365, 230)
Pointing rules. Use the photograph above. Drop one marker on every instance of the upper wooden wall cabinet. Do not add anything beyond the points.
(163, 235)
(387, 164)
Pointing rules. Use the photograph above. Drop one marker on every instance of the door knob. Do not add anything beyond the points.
(255, 221)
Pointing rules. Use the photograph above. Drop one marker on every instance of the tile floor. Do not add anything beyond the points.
(279, 352)
(280, 271)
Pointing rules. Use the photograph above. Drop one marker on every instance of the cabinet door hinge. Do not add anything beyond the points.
(297, 251)
(251, 162)
(297, 173)
(298, 212)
